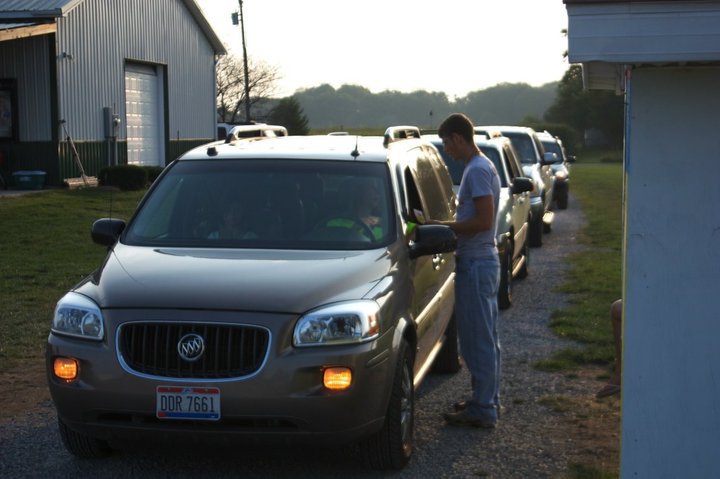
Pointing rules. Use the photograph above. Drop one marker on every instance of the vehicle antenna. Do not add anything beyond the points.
(355, 153)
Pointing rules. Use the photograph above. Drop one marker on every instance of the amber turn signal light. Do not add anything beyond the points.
(337, 378)
(66, 368)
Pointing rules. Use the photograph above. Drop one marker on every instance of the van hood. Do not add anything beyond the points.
(233, 279)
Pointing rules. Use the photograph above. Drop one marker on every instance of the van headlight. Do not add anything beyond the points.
(77, 315)
(342, 323)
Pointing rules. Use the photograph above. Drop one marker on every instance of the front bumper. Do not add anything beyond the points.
(285, 399)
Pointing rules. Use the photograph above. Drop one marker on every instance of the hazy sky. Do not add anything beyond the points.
(452, 46)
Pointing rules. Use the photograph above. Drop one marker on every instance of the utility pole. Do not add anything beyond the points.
(245, 60)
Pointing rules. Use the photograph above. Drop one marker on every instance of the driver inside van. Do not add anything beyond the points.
(364, 212)
(234, 224)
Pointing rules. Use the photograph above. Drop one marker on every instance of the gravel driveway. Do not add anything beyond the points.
(530, 440)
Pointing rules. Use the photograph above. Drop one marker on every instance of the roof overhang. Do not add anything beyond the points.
(16, 31)
(23, 21)
(28, 22)
(605, 36)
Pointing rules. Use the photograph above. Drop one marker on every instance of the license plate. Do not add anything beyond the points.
(184, 402)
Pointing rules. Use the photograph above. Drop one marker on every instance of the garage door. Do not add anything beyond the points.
(142, 116)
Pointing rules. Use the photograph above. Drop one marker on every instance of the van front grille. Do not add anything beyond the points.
(229, 351)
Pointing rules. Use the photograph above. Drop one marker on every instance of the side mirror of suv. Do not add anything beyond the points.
(522, 184)
(432, 239)
(106, 231)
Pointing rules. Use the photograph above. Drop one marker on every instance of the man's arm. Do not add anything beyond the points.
(482, 221)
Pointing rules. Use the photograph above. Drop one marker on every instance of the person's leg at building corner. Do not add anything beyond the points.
(613, 386)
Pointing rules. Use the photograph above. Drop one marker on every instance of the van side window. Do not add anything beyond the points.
(511, 162)
(434, 197)
(445, 181)
(414, 200)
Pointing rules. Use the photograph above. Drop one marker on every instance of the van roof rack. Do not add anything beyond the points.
(395, 133)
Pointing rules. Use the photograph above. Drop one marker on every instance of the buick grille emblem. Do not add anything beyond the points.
(191, 347)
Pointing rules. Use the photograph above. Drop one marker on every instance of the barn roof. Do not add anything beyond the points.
(21, 17)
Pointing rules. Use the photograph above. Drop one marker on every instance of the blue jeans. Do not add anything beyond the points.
(476, 312)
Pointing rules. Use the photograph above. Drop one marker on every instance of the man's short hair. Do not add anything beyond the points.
(457, 123)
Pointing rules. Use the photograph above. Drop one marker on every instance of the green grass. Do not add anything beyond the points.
(594, 278)
(46, 249)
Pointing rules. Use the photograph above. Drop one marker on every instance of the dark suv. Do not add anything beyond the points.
(277, 289)
(560, 167)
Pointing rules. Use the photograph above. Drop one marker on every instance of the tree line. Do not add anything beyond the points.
(579, 114)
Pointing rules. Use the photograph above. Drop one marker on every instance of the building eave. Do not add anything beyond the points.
(16, 31)
(640, 32)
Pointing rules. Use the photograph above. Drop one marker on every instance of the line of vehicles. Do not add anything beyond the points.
(534, 176)
(281, 288)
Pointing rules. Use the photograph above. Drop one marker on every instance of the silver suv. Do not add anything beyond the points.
(513, 216)
(536, 166)
(281, 289)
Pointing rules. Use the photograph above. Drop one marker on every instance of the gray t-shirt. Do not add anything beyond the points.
(480, 178)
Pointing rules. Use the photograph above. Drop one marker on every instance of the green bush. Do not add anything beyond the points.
(153, 172)
(125, 177)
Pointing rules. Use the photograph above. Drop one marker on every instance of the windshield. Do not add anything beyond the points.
(268, 203)
(553, 147)
(494, 156)
(524, 147)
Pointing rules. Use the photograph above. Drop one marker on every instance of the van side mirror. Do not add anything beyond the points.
(432, 239)
(522, 184)
(106, 231)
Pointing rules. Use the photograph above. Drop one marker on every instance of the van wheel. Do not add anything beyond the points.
(562, 201)
(392, 446)
(448, 360)
(82, 446)
(505, 291)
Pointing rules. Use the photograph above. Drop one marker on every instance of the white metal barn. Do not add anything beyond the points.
(665, 57)
(129, 81)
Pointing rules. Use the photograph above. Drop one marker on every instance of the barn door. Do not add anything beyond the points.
(143, 116)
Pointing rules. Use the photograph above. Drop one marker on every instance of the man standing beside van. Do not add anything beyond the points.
(477, 275)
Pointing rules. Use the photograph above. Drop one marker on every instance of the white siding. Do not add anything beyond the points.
(101, 35)
(642, 32)
(671, 374)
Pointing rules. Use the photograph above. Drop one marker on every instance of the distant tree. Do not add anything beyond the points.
(289, 114)
(352, 106)
(585, 109)
(262, 79)
(506, 103)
